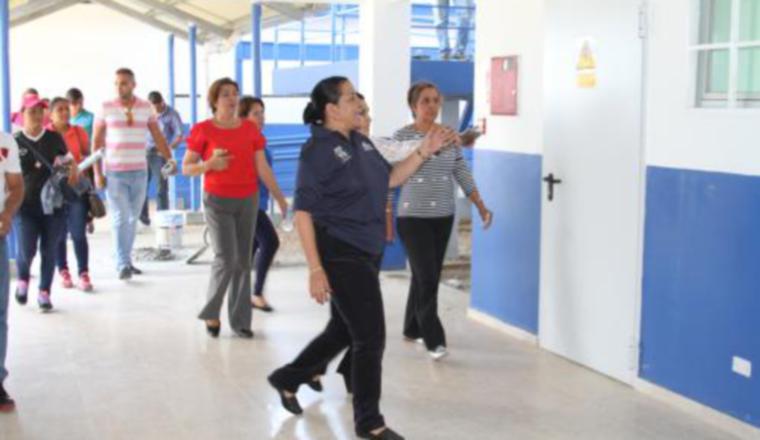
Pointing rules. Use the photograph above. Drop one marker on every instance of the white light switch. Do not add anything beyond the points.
(742, 366)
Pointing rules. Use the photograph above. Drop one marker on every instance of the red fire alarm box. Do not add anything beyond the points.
(504, 85)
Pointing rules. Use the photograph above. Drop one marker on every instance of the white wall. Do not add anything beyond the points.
(680, 135)
(83, 45)
(511, 27)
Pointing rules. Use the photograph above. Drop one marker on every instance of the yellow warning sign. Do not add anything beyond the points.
(586, 66)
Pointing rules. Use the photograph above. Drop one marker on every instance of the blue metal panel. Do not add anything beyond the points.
(6, 66)
(701, 282)
(256, 46)
(194, 184)
(506, 257)
(170, 56)
(6, 95)
(454, 79)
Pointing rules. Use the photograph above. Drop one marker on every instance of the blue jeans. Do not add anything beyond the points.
(155, 163)
(35, 227)
(5, 281)
(76, 224)
(125, 193)
(464, 23)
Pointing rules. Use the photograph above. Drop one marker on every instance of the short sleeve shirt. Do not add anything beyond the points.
(126, 131)
(50, 145)
(9, 162)
(343, 184)
(85, 120)
(239, 180)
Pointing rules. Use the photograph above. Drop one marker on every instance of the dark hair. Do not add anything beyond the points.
(58, 100)
(31, 90)
(413, 95)
(125, 71)
(246, 103)
(216, 89)
(74, 95)
(155, 97)
(325, 92)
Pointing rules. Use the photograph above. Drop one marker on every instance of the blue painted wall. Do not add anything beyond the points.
(506, 258)
(701, 294)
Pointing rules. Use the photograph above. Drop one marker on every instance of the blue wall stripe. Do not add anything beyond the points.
(506, 258)
(701, 298)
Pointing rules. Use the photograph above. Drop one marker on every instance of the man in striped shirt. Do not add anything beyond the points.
(121, 128)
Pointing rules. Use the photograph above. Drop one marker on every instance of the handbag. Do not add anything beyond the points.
(97, 209)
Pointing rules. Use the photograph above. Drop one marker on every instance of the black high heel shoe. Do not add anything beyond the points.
(316, 385)
(385, 434)
(213, 331)
(289, 403)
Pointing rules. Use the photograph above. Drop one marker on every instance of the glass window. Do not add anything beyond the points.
(749, 22)
(749, 73)
(727, 54)
(715, 24)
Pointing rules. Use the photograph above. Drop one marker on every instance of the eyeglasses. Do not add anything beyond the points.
(130, 116)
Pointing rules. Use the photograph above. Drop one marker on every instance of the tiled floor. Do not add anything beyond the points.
(132, 362)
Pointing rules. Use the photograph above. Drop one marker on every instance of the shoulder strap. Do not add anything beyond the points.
(37, 154)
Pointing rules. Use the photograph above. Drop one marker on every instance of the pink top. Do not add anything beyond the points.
(127, 129)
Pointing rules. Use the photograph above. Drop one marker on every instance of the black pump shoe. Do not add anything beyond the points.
(289, 403)
(385, 434)
(213, 331)
(316, 385)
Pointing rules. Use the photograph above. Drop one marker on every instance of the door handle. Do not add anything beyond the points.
(551, 181)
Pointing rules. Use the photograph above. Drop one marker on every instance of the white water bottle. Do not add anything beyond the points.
(287, 222)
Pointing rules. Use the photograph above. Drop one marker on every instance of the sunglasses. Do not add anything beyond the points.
(130, 116)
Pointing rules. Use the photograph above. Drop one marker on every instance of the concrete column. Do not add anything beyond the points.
(384, 62)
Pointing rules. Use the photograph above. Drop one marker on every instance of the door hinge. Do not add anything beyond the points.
(643, 21)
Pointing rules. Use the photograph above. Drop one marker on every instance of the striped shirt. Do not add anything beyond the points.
(125, 141)
(429, 193)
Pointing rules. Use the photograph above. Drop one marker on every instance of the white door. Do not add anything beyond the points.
(591, 231)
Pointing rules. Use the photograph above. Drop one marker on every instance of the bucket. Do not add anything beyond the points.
(168, 227)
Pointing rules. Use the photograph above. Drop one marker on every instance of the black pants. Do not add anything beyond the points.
(357, 320)
(265, 245)
(425, 241)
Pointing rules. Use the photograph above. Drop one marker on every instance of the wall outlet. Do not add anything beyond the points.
(742, 367)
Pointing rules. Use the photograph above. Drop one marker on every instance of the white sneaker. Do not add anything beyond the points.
(439, 353)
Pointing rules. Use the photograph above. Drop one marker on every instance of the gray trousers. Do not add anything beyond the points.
(231, 224)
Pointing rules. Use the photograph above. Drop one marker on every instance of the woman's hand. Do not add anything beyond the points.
(283, 205)
(319, 287)
(487, 217)
(436, 139)
(218, 162)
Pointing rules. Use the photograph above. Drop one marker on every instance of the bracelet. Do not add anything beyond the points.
(316, 270)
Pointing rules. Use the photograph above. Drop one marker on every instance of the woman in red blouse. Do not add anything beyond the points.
(229, 153)
(78, 211)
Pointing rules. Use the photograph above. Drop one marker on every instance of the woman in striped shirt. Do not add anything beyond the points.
(425, 217)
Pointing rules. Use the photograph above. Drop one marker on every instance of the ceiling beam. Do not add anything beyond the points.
(205, 25)
(142, 17)
(33, 10)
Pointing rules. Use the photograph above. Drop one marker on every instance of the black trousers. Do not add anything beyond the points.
(265, 245)
(357, 320)
(425, 241)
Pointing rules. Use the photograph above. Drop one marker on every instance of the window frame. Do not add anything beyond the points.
(705, 10)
